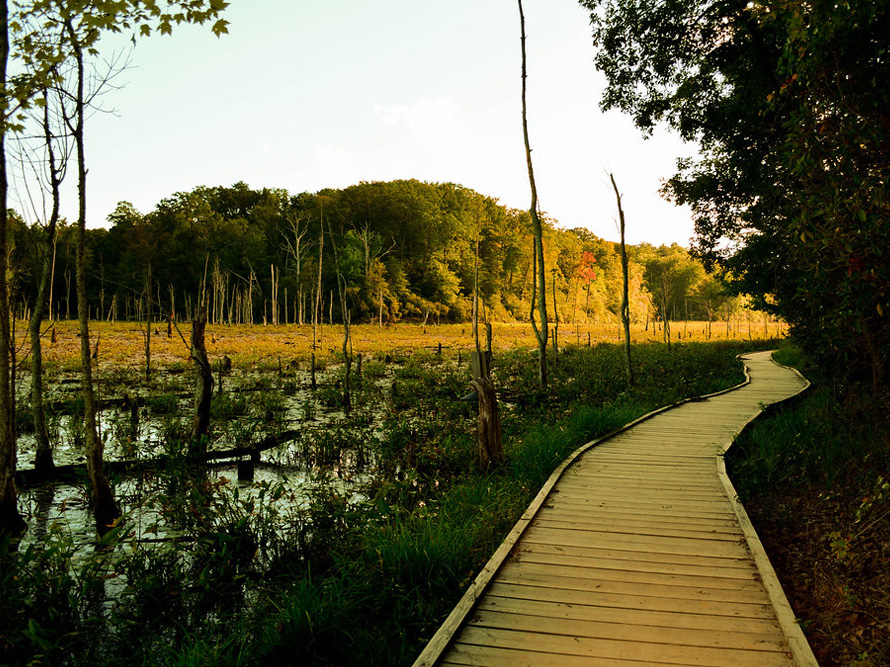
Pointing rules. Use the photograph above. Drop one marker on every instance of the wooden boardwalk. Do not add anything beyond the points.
(637, 552)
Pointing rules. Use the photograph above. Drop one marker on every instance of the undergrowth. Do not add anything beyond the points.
(814, 474)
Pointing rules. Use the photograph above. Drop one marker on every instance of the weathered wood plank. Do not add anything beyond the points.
(645, 508)
(645, 560)
(561, 577)
(652, 490)
(643, 543)
(526, 568)
(532, 591)
(650, 530)
(665, 564)
(632, 617)
(487, 656)
(534, 622)
(606, 517)
(642, 650)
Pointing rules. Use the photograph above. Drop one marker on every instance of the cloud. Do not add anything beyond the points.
(429, 122)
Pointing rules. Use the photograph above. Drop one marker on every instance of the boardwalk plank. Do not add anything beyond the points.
(586, 524)
(632, 617)
(605, 517)
(646, 559)
(561, 577)
(657, 653)
(689, 579)
(641, 600)
(741, 568)
(533, 621)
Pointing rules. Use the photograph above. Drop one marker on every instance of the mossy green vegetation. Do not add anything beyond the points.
(348, 574)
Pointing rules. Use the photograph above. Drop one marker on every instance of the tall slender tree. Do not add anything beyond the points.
(539, 289)
(43, 462)
(102, 501)
(625, 301)
(10, 520)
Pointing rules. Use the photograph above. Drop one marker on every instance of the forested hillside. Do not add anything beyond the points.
(407, 249)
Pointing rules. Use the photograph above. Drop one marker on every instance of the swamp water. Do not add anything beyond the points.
(327, 447)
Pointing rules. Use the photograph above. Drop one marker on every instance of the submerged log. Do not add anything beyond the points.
(75, 472)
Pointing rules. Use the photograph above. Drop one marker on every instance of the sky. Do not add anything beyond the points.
(309, 94)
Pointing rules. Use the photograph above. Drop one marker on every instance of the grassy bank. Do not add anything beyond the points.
(813, 475)
(358, 576)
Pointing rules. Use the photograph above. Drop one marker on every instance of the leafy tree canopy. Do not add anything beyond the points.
(790, 103)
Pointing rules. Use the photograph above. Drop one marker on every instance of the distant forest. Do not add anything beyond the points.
(407, 250)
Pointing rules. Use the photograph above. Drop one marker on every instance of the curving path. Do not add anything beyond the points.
(637, 552)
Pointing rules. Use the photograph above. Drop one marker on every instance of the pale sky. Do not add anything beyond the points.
(308, 94)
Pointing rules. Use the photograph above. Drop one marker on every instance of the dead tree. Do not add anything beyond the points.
(347, 333)
(203, 377)
(11, 521)
(625, 301)
(148, 323)
(539, 280)
(317, 312)
(55, 171)
(488, 430)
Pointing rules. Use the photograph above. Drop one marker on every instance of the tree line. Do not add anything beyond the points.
(407, 250)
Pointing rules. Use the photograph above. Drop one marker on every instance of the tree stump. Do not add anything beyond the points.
(203, 377)
(491, 448)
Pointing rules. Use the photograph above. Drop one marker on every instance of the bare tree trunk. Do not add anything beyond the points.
(347, 334)
(625, 298)
(11, 521)
(43, 459)
(316, 311)
(537, 229)
(380, 318)
(665, 316)
(52, 279)
(555, 325)
(67, 292)
(491, 448)
(102, 501)
(275, 279)
(203, 377)
(480, 359)
(148, 323)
